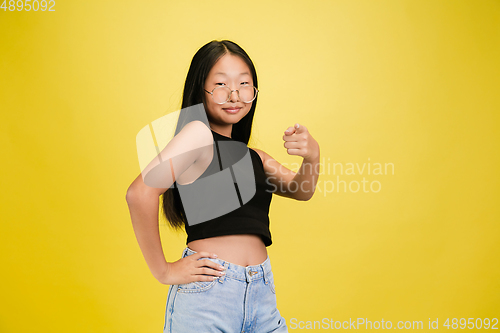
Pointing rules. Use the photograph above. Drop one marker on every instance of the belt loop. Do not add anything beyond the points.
(266, 279)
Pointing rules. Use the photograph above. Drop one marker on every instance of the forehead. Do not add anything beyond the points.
(230, 66)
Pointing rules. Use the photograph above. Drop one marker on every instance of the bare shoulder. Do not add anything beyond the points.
(180, 153)
(199, 130)
(262, 155)
(192, 136)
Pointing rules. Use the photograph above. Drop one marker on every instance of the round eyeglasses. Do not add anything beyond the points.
(222, 94)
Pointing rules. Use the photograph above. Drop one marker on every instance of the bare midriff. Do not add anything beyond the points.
(244, 250)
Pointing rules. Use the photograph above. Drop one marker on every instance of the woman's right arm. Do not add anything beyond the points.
(143, 202)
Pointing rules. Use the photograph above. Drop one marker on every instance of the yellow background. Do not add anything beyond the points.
(413, 83)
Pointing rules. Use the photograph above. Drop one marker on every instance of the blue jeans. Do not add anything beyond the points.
(243, 300)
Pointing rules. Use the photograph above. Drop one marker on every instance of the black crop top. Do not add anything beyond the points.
(250, 218)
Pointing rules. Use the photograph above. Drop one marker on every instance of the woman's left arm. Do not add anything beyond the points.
(287, 183)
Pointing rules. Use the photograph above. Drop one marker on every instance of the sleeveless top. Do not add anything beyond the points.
(250, 217)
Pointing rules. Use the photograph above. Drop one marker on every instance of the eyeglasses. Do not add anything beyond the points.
(222, 94)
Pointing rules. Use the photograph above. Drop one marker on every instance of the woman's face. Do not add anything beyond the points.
(230, 71)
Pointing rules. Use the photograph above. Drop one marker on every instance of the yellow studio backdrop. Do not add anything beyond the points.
(402, 97)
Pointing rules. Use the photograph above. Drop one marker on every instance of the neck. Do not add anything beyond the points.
(222, 130)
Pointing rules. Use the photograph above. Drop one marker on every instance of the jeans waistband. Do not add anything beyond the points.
(238, 272)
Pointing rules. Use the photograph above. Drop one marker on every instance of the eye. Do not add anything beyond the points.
(242, 83)
(220, 83)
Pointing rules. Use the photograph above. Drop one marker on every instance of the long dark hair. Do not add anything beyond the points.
(193, 94)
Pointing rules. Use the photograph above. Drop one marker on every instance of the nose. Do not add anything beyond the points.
(234, 96)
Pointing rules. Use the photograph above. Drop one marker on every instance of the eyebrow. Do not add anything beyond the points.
(221, 73)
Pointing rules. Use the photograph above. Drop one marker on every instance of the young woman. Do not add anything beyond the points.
(223, 281)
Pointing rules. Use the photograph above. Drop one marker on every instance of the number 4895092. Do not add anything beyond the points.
(28, 5)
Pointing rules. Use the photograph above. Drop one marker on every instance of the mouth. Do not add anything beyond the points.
(232, 110)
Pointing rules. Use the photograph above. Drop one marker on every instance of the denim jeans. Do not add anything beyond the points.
(243, 300)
